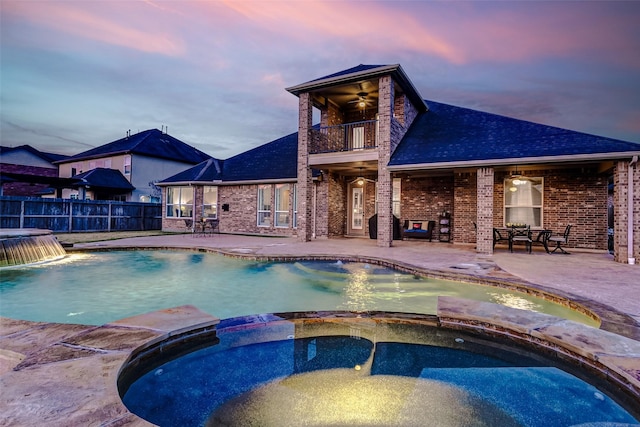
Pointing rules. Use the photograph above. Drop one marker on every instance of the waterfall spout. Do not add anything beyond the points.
(28, 245)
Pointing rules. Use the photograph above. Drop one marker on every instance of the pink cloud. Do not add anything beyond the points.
(370, 26)
(99, 21)
(459, 32)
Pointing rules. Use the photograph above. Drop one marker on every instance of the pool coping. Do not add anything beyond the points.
(83, 365)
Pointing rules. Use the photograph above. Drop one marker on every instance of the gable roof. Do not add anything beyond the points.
(275, 160)
(449, 136)
(104, 179)
(152, 143)
(363, 72)
(207, 171)
(48, 157)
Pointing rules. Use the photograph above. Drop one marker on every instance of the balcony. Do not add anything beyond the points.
(354, 136)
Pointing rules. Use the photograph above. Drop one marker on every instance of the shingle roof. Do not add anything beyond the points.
(207, 171)
(49, 157)
(104, 178)
(152, 143)
(357, 69)
(277, 159)
(449, 134)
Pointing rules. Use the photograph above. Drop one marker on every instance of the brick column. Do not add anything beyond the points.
(305, 179)
(485, 178)
(385, 204)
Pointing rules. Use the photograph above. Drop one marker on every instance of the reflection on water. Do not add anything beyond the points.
(358, 292)
(97, 288)
(514, 301)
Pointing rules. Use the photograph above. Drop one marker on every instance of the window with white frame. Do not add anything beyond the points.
(210, 202)
(127, 165)
(283, 197)
(395, 196)
(179, 202)
(264, 205)
(523, 201)
(295, 205)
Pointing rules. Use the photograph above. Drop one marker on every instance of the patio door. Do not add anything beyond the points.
(357, 211)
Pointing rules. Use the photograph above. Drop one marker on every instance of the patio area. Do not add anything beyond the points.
(67, 374)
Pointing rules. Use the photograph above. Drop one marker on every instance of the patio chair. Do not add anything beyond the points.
(543, 239)
(520, 234)
(497, 237)
(561, 240)
(212, 225)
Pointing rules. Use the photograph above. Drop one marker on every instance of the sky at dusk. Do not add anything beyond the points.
(79, 74)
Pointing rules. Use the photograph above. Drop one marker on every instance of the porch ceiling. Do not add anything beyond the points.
(346, 97)
(350, 169)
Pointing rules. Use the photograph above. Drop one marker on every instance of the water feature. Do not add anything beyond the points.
(357, 371)
(28, 245)
(100, 287)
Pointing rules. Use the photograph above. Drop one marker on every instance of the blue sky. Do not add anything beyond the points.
(79, 74)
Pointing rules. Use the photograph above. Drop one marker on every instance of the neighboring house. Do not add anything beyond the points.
(26, 171)
(381, 149)
(140, 160)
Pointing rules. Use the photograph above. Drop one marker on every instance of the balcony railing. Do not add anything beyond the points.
(346, 137)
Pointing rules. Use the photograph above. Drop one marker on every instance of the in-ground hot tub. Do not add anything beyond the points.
(343, 368)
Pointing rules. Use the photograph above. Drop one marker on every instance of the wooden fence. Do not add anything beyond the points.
(63, 215)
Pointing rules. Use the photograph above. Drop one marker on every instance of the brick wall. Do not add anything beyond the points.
(25, 188)
(575, 196)
(426, 198)
(242, 216)
(337, 205)
(465, 207)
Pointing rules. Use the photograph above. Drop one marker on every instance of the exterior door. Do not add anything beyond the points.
(357, 211)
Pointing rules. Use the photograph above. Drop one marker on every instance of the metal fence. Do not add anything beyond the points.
(64, 215)
(345, 137)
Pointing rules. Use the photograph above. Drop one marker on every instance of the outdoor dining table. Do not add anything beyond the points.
(542, 236)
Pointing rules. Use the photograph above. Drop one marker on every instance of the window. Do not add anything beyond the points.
(523, 201)
(179, 202)
(107, 163)
(283, 195)
(210, 202)
(295, 205)
(127, 165)
(395, 197)
(264, 205)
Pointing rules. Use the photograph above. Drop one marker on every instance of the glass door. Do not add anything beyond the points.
(357, 208)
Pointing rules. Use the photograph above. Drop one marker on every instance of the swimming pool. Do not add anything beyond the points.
(363, 372)
(99, 287)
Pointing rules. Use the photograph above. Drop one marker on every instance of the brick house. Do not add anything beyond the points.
(381, 149)
(26, 171)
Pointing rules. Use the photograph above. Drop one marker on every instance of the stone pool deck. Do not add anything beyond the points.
(62, 375)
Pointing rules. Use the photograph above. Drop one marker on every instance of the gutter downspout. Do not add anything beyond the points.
(630, 196)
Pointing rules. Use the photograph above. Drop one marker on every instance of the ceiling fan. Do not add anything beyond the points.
(361, 100)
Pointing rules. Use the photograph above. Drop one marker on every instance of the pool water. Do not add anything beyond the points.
(351, 380)
(97, 288)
